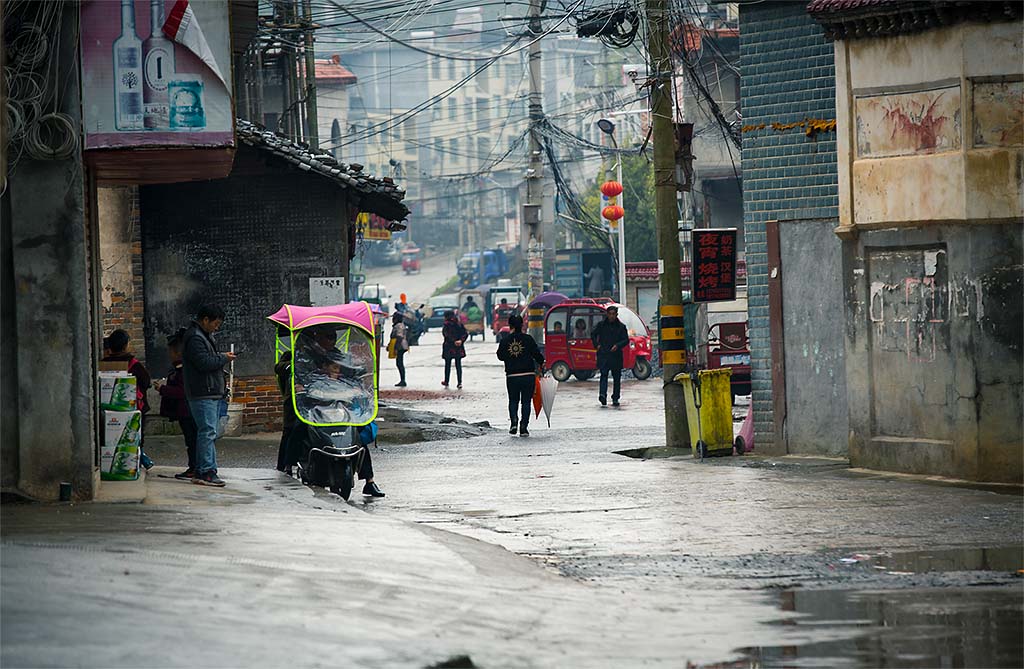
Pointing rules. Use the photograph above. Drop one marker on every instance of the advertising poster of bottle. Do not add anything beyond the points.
(145, 82)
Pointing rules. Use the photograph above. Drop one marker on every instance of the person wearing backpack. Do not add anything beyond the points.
(117, 342)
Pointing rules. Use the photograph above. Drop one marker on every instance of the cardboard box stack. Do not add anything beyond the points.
(122, 427)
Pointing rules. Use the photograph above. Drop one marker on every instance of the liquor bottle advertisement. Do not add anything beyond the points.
(144, 87)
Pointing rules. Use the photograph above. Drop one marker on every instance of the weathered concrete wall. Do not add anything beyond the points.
(53, 314)
(931, 174)
(8, 353)
(812, 291)
(930, 126)
(249, 242)
(934, 351)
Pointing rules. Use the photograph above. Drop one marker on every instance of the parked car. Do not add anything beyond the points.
(569, 351)
(440, 304)
(375, 293)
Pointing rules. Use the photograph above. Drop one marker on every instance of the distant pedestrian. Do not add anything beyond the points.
(117, 345)
(454, 346)
(174, 406)
(205, 388)
(400, 337)
(522, 358)
(595, 281)
(610, 337)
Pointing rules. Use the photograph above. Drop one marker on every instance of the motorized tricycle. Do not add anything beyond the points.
(471, 313)
(569, 350)
(333, 389)
(411, 260)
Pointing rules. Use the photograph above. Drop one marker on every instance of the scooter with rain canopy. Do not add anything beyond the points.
(333, 390)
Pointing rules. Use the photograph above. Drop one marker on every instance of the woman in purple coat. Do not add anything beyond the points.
(454, 347)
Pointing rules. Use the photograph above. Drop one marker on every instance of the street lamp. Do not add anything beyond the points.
(608, 127)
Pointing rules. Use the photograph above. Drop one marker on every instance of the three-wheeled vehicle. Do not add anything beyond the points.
(333, 389)
(411, 260)
(569, 351)
(728, 348)
(471, 313)
(499, 319)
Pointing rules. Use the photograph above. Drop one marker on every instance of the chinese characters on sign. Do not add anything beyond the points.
(372, 226)
(714, 265)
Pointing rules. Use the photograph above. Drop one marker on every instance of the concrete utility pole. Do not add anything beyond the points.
(671, 343)
(533, 211)
(311, 113)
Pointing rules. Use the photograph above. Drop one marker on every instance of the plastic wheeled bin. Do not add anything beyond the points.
(709, 411)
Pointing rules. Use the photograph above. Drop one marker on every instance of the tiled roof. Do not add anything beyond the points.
(648, 271)
(375, 195)
(330, 70)
(854, 19)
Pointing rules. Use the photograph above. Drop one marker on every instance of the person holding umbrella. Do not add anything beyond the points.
(521, 356)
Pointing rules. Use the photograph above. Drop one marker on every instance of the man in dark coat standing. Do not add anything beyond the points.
(610, 337)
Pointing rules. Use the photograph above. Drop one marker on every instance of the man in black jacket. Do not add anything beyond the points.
(203, 367)
(521, 356)
(610, 337)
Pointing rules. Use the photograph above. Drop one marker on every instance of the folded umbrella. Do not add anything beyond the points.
(548, 388)
(537, 403)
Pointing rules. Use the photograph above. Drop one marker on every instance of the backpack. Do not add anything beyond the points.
(140, 394)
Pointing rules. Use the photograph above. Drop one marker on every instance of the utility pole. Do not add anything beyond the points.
(311, 112)
(671, 342)
(533, 211)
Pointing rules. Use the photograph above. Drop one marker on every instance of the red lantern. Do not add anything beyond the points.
(611, 189)
(613, 212)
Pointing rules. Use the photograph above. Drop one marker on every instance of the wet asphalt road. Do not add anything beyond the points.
(866, 569)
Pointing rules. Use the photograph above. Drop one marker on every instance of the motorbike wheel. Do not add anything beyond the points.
(584, 376)
(561, 371)
(344, 486)
(740, 445)
(642, 369)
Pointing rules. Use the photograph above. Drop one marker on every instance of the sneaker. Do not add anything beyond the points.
(603, 401)
(209, 478)
(615, 403)
(514, 429)
(372, 490)
(524, 432)
(460, 386)
(400, 384)
(146, 461)
(186, 475)
(444, 383)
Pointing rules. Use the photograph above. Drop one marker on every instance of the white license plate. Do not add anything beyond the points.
(736, 360)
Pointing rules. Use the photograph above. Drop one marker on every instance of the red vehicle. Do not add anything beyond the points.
(569, 351)
(411, 260)
(729, 347)
(499, 319)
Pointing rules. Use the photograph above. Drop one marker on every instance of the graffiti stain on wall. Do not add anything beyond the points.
(901, 124)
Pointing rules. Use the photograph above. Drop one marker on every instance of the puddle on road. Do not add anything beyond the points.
(1003, 558)
(962, 627)
(655, 452)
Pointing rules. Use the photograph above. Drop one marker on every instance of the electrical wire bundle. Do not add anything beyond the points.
(34, 93)
(615, 27)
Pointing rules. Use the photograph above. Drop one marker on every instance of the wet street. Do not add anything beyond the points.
(550, 551)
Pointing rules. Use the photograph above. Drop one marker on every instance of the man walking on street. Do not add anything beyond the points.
(203, 367)
(609, 338)
(521, 356)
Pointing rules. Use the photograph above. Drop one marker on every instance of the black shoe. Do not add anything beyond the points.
(186, 475)
(524, 432)
(209, 478)
(400, 384)
(514, 428)
(615, 403)
(603, 401)
(372, 490)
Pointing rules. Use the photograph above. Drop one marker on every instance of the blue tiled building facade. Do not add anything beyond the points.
(788, 76)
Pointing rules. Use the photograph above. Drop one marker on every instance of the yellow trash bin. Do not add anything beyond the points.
(713, 431)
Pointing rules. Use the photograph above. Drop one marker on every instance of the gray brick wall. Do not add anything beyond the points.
(788, 76)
